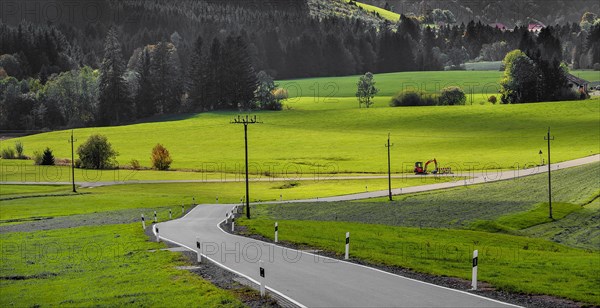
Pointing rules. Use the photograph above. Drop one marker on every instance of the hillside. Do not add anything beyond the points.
(336, 136)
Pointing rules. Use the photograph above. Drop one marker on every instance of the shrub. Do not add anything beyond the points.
(596, 66)
(413, 98)
(8, 153)
(97, 153)
(280, 93)
(452, 96)
(19, 149)
(135, 164)
(37, 157)
(47, 158)
(492, 99)
(161, 159)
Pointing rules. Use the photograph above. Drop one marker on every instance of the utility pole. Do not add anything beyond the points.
(72, 141)
(548, 138)
(246, 120)
(388, 145)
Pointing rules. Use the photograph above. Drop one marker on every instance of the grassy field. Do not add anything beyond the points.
(383, 13)
(165, 196)
(508, 262)
(98, 266)
(343, 138)
(578, 229)
(25, 171)
(483, 83)
(506, 206)
(322, 130)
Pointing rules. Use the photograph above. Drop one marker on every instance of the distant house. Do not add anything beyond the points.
(499, 25)
(535, 27)
(578, 84)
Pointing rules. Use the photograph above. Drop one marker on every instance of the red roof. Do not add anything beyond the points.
(535, 27)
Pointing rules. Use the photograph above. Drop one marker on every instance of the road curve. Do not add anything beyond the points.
(304, 278)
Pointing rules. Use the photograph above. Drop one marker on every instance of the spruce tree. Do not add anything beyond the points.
(114, 103)
(196, 77)
(144, 103)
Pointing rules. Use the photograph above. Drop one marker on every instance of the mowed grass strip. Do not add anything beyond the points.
(345, 139)
(511, 263)
(98, 266)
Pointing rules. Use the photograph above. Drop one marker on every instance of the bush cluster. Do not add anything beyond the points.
(452, 96)
(413, 98)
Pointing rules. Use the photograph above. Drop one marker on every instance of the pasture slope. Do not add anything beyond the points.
(322, 130)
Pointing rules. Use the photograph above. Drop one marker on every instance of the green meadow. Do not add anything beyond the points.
(112, 265)
(340, 138)
(375, 9)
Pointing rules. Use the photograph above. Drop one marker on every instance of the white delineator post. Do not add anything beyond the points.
(198, 250)
(347, 245)
(143, 222)
(217, 199)
(232, 224)
(474, 278)
(155, 219)
(276, 232)
(261, 270)
(170, 214)
(157, 236)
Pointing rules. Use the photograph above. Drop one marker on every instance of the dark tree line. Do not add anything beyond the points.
(282, 39)
(205, 55)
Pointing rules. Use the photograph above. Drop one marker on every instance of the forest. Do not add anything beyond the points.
(146, 58)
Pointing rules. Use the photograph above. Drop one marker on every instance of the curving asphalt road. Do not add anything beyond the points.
(315, 281)
(306, 279)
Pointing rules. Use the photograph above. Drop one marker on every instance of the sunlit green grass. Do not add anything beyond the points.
(10, 191)
(503, 206)
(481, 83)
(98, 266)
(20, 171)
(508, 262)
(118, 197)
(347, 139)
(578, 229)
(383, 13)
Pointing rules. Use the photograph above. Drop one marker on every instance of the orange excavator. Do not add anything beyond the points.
(419, 169)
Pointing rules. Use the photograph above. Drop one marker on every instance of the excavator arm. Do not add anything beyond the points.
(431, 161)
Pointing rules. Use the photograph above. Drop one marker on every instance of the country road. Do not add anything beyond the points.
(306, 279)
(315, 281)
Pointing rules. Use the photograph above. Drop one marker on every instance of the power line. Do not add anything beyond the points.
(388, 146)
(246, 120)
(72, 141)
(548, 138)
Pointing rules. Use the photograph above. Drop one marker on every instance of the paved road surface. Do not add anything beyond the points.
(307, 279)
(314, 281)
